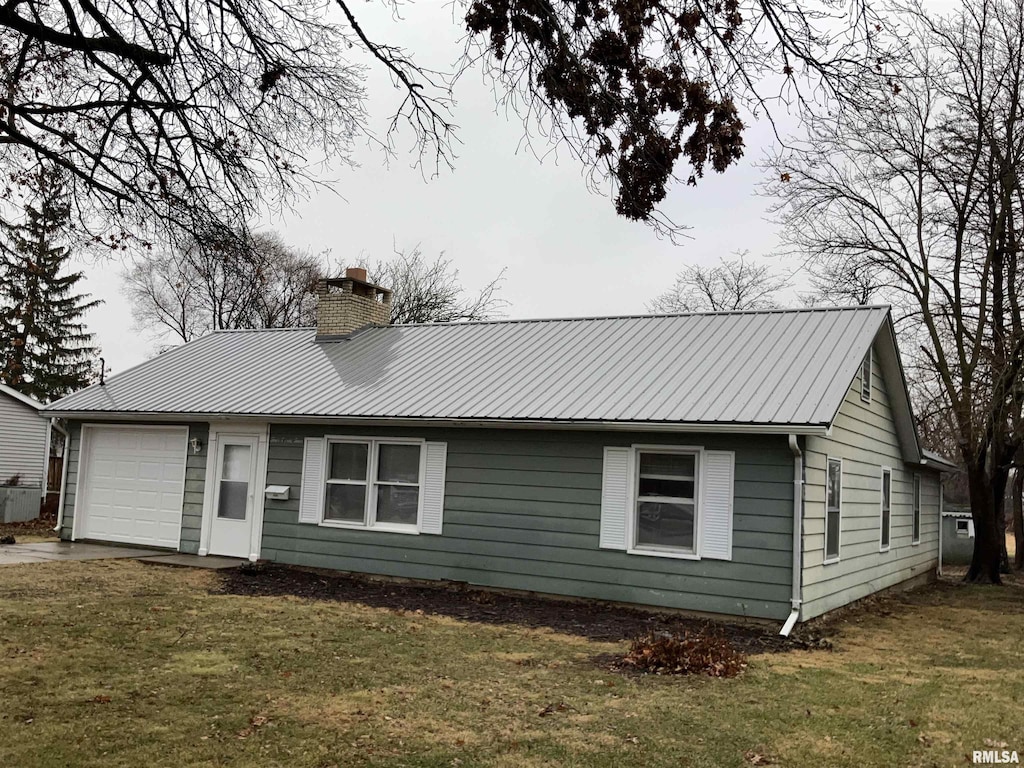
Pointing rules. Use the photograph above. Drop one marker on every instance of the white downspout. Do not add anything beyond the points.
(942, 524)
(796, 599)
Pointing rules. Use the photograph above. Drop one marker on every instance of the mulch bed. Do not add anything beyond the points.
(590, 619)
(41, 526)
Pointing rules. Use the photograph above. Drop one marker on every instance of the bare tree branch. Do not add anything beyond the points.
(735, 284)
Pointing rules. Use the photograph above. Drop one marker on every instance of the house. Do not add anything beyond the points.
(24, 451)
(759, 464)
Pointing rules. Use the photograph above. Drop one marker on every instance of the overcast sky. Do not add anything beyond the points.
(566, 252)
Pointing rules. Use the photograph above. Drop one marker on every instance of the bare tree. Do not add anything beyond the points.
(926, 189)
(734, 284)
(430, 291)
(188, 113)
(192, 114)
(191, 291)
(841, 282)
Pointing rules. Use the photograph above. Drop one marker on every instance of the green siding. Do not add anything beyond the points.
(522, 511)
(71, 488)
(864, 437)
(195, 477)
(195, 482)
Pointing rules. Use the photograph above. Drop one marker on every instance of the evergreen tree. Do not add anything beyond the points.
(45, 350)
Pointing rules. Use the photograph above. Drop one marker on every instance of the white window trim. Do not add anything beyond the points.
(916, 502)
(865, 381)
(826, 560)
(369, 522)
(881, 509)
(634, 486)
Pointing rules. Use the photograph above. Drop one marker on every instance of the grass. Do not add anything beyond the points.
(119, 663)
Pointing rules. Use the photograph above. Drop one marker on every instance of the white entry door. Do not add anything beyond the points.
(234, 496)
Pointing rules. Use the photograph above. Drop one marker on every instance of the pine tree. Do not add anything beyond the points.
(45, 350)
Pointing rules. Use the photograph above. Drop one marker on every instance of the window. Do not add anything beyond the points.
(886, 520)
(373, 484)
(833, 500)
(666, 502)
(865, 378)
(917, 510)
(963, 528)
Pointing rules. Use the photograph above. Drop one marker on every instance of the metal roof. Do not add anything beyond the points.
(31, 402)
(931, 457)
(769, 368)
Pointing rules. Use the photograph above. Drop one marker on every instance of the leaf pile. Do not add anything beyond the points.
(689, 653)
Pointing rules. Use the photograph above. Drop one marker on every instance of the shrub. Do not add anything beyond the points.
(691, 653)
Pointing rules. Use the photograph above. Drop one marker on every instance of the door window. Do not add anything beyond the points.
(234, 482)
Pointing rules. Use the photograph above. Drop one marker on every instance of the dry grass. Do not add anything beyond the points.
(118, 663)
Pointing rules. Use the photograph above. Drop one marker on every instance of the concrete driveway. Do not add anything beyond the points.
(48, 551)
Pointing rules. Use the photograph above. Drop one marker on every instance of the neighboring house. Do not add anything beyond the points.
(957, 536)
(655, 460)
(24, 455)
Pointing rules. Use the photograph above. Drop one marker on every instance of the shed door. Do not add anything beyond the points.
(133, 485)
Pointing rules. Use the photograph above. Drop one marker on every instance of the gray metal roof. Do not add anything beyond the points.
(778, 367)
(931, 457)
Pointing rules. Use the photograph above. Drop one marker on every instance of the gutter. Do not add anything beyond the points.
(797, 596)
(183, 417)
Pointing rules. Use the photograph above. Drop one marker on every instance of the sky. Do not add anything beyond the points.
(564, 250)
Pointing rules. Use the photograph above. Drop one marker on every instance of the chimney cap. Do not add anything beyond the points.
(356, 275)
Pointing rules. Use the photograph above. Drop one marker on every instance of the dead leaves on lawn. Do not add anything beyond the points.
(560, 706)
(689, 653)
(255, 723)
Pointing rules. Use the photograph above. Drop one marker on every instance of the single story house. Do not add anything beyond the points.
(24, 455)
(758, 464)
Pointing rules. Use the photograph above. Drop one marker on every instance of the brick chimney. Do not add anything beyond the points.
(345, 304)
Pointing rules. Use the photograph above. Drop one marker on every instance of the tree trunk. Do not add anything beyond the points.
(1018, 518)
(984, 567)
(999, 484)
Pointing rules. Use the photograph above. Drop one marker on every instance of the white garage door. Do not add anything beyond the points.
(132, 485)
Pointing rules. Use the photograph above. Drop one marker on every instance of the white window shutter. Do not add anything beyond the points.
(615, 496)
(312, 490)
(432, 513)
(716, 505)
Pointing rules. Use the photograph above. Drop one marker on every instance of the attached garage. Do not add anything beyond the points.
(132, 485)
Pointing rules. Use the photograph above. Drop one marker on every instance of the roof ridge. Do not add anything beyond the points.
(260, 330)
(653, 316)
(585, 318)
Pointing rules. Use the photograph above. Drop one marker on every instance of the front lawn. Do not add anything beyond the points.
(119, 663)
